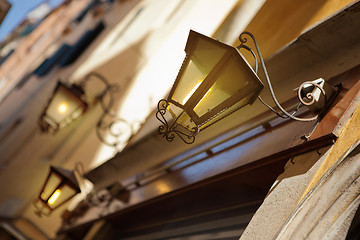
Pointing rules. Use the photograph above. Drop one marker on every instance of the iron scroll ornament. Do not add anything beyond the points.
(169, 131)
(309, 97)
(110, 129)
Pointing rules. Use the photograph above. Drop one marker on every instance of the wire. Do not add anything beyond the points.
(287, 114)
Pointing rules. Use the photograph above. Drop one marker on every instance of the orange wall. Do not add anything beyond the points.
(279, 22)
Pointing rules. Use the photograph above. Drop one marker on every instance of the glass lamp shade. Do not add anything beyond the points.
(60, 186)
(214, 81)
(65, 106)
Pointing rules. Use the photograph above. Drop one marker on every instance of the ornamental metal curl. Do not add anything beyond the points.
(243, 40)
(170, 131)
(113, 132)
(110, 129)
(309, 96)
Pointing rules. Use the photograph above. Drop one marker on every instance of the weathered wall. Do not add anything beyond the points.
(314, 197)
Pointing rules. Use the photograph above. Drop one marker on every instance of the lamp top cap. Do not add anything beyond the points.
(68, 175)
(75, 89)
(193, 36)
(192, 44)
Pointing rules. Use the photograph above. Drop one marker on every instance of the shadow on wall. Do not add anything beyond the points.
(121, 70)
(300, 165)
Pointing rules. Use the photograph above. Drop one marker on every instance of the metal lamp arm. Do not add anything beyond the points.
(108, 87)
(243, 40)
(111, 127)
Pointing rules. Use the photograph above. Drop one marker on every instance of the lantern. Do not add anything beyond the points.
(68, 103)
(214, 81)
(65, 106)
(60, 186)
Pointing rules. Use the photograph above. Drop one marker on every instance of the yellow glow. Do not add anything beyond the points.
(55, 196)
(191, 92)
(163, 187)
(202, 98)
(62, 108)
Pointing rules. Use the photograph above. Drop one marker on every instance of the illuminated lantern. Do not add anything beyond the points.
(65, 106)
(60, 186)
(214, 81)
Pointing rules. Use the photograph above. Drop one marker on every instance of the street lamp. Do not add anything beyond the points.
(60, 186)
(69, 102)
(214, 81)
(66, 105)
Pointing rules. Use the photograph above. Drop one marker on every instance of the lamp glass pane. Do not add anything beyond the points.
(64, 107)
(52, 183)
(202, 59)
(184, 119)
(62, 194)
(232, 80)
(238, 105)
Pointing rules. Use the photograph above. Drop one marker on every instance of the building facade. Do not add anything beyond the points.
(252, 175)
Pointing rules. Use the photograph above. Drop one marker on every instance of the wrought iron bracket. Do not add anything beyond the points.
(309, 97)
(169, 131)
(110, 129)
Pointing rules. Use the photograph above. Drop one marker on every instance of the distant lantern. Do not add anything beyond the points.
(65, 106)
(214, 81)
(70, 102)
(60, 186)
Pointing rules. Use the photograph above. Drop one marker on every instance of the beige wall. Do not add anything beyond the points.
(28, 229)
